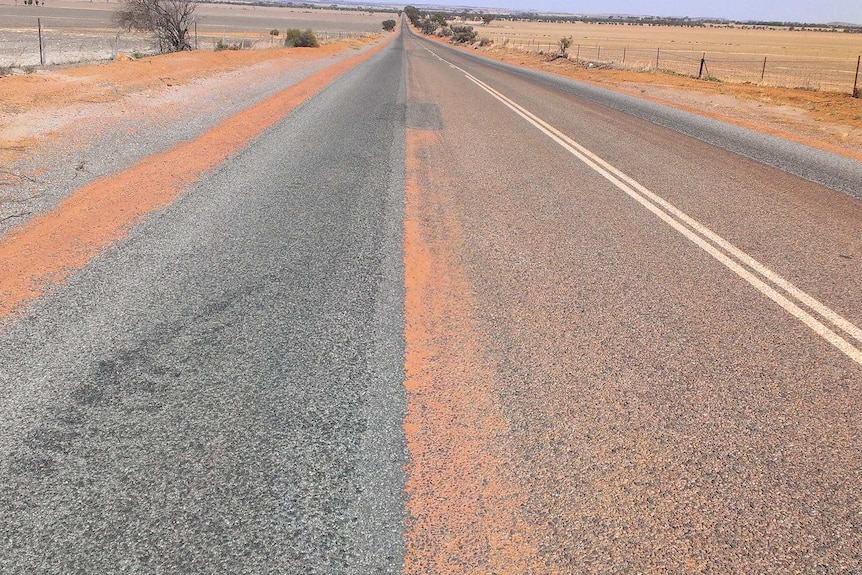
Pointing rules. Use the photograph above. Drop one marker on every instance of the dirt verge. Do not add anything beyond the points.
(824, 120)
(48, 248)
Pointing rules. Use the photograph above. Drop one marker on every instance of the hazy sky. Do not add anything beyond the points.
(783, 10)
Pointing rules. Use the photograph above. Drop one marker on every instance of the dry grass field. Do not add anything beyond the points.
(81, 30)
(804, 59)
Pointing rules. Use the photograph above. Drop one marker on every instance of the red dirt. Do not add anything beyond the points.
(825, 120)
(464, 510)
(60, 91)
(49, 248)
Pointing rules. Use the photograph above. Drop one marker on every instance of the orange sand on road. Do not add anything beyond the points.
(464, 511)
(50, 247)
(67, 88)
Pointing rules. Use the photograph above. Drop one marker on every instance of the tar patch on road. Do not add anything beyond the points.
(423, 116)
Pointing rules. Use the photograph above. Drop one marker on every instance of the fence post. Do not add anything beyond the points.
(624, 54)
(196, 34)
(702, 63)
(763, 71)
(657, 54)
(856, 78)
(41, 49)
(578, 53)
(598, 53)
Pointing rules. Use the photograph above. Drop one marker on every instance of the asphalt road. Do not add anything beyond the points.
(221, 392)
(447, 318)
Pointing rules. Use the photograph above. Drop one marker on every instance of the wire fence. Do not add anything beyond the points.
(44, 45)
(810, 73)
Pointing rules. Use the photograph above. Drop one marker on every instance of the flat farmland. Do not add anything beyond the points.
(78, 31)
(805, 59)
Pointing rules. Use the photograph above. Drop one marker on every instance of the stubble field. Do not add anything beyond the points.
(76, 30)
(804, 59)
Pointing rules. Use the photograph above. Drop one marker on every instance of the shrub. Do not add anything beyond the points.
(463, 34)
(564, 43)
(483, 41)
(274, 32)
(389, 25)
(168, 20)
(220, 45)
(429, 25)
(294, 38)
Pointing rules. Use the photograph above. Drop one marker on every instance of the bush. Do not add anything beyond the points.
(389, 25)
(483, 41)
(169, 20)
(564, 43)
(220, 45)
(274, 32)
(463, 34)
(429, 25)
(293, 38)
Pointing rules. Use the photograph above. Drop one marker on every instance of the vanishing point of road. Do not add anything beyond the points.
(449, 316)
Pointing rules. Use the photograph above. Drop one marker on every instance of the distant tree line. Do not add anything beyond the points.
(435, 23)
(488, 17)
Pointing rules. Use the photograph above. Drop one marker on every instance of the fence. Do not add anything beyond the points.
(812, 73)
(44, 45)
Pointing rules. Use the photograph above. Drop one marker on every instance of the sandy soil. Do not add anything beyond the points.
(79, 30)
(825, 120)
(41, 105)
(62, 129)
(47, 248)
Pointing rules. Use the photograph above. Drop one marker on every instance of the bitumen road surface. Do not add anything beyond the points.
(450, 317)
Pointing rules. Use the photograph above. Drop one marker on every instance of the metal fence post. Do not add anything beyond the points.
(702, 63)
(763, 71)
(657, 54)
(624, 54)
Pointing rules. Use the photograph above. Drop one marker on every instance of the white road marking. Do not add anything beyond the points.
(699, 234)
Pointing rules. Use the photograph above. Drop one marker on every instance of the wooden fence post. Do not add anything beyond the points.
(856, 78)
(763, 71)
(702, 64)
(657, 54)
(41, 49)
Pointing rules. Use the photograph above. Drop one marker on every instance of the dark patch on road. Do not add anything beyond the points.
(423, 116)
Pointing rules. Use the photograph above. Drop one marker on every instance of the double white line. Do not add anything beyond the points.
(767, 282)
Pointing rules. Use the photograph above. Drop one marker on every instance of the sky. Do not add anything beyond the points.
(820, 11)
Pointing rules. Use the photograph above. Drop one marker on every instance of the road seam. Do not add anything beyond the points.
(697, 233)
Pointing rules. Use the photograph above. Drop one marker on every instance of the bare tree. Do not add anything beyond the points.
(168, 20)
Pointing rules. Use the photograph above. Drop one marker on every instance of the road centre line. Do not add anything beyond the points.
(697, 233)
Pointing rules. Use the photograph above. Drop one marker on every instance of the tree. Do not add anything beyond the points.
(564, 43)
(168, 20)
(487, 18)
(389, 25)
